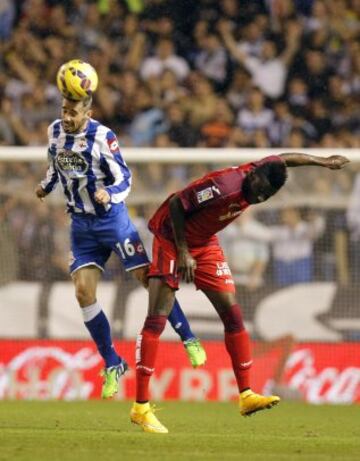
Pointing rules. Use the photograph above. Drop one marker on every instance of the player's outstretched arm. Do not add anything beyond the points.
(334, 162)
(186, 264)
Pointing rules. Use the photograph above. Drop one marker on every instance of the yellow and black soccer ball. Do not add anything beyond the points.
(77, 80)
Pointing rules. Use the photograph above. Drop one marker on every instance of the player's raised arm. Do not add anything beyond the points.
(334, 162)
(186, 264)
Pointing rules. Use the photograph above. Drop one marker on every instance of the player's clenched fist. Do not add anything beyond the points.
(336, 162)
(102, 196)
(40, 193)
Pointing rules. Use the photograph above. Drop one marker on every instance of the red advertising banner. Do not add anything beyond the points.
(41, 369)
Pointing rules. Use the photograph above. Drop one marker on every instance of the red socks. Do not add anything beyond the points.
(238, 347)
(146, 351)
(236, 340)
(237, 344)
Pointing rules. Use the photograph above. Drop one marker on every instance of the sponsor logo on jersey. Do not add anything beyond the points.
(222, 269)
(234, 210)
(71, 162)
(229, 282)
(204, 195)
(113, 145)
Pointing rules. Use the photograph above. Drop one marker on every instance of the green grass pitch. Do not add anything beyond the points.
(87, 431)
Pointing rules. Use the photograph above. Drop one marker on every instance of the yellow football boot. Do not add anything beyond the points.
(250, 403)
(143, 415)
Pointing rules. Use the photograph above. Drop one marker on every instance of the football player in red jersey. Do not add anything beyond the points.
(185, 246)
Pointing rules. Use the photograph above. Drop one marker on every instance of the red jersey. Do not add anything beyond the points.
(210, 204)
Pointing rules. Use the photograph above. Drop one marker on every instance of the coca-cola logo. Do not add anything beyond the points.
(48, 373)
(325, 385)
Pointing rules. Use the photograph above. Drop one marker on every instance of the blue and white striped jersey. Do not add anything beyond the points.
(84, 162)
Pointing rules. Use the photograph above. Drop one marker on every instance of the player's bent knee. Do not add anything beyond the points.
(232, 319)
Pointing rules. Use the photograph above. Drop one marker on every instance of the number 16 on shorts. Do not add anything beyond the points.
(132, 253)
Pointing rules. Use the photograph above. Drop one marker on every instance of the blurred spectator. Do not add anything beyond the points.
(239, 88)
(180, 131)
(297, 96)
(247, 251)
(164, 58)
(216, 132)
(211, 60)
(269, 70)
(171, 90)
(291, 241)
(6, 133)
(7, 16)
(320, 118)
(201, 105)
(149, 121)
(281, 124)
(255, 115)
(293, 246)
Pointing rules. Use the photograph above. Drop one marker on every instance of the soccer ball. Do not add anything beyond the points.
(76, 80)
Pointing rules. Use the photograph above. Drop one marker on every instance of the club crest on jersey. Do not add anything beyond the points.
(113, 145)
(83, 143)
(204, 195)
(71, 162)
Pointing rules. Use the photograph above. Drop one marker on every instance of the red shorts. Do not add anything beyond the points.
(212, 271)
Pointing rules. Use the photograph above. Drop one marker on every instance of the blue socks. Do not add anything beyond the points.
(96, 322)
(180, 323)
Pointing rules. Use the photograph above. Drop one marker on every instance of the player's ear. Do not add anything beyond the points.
(89, 113)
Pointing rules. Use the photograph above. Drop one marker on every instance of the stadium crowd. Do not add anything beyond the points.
(265, 73)
(190, 73)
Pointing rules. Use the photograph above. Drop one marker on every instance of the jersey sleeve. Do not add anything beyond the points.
(200, 195)
(51, 179)
(118, 176)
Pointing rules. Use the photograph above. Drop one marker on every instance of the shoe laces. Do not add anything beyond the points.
(192, 343)
(153, 409)
(120, 369)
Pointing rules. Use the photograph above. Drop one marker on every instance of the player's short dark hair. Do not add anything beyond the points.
(274, 172)
(87, 102)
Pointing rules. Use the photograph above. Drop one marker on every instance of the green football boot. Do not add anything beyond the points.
(111, 377)
(195, 352)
